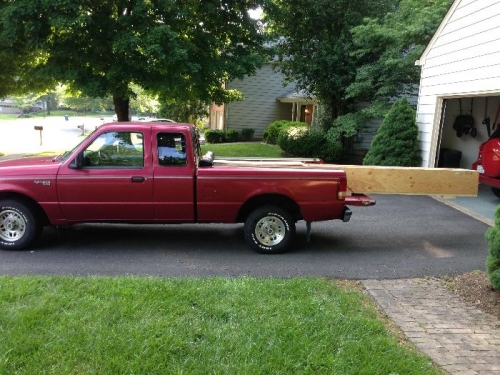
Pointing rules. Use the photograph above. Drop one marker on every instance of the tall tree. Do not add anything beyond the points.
(178, 48)
(313, 43)
(388, 48)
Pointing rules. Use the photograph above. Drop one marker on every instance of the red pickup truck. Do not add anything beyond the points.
(155, 173)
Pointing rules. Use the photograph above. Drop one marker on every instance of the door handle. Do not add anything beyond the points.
(138, 179)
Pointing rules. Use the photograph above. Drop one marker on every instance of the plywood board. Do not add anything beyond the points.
(389, 180)
(412, 181)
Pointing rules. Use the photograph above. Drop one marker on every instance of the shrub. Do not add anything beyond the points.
(247, 134)
(303, 141)
(333, 147)
(214, 136)
(291, 139)
(396, 141)
(232, 135)
(272, 132)
(493, 259)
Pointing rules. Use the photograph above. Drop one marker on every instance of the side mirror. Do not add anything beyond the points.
(206, 160)
(77, 162)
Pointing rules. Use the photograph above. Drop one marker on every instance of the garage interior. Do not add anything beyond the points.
(459, 149)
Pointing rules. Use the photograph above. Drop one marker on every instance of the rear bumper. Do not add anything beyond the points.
(346, 216)
(489, 181)
(359, 200)
(356, 200)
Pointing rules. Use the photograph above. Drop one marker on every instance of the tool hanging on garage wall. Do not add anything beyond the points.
(496, 118)
(486, 120)
(464, 124)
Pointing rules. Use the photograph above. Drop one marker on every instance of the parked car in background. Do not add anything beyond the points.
(160, 120)
(488, 163)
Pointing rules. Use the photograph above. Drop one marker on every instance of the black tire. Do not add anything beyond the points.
(19, 226)
(269, 230)
(495, 191)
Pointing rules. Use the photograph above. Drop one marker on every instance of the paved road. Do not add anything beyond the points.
(400, 237)
(20, 136)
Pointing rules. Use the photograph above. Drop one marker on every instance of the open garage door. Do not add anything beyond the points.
(465, 124)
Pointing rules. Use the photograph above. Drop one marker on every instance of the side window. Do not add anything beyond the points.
(115, 150)
(171, 149)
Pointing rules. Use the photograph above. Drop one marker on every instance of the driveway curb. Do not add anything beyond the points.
(465, 210)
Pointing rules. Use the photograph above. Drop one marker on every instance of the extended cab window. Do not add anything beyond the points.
(115, 149)
(171, 149)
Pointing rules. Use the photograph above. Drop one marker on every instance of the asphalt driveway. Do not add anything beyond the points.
(400, 237)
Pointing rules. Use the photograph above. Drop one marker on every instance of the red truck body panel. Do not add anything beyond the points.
(221, 191)
(488, 162)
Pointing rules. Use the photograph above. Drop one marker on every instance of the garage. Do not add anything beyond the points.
(465, 124)
(459, 93)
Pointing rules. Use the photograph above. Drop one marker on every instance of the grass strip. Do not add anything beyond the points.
(137, 325)
(246, 149)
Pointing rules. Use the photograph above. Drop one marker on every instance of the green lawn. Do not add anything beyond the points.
(147, 325)
(243, 149)
(56, 113)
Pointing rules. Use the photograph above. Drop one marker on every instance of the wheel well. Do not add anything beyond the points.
(37, 209)
(269, 199)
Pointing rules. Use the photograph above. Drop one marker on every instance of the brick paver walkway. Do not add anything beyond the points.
(459, 338)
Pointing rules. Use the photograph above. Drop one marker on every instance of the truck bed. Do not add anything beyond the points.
(363, 179)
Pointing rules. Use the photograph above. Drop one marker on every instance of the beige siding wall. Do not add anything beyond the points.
(463, 59)
(260, 106)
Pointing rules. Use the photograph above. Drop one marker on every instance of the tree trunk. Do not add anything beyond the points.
(121, 108)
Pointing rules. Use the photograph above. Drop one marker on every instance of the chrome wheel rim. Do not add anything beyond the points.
(12, 226)
(270, 230)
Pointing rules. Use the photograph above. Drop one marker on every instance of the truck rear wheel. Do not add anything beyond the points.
(18, 225)
(269, 230)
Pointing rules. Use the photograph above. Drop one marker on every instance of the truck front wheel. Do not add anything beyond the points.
(18, 225)
(269, 230)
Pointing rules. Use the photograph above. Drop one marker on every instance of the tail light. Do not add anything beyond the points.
(490, 157)
(342, 192)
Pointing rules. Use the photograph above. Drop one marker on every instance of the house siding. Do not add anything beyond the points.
(462, 60)
(260, 106)
(370, 129)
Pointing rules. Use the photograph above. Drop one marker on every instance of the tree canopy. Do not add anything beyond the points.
(314, 45)
(182, 49)
(388, 49)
